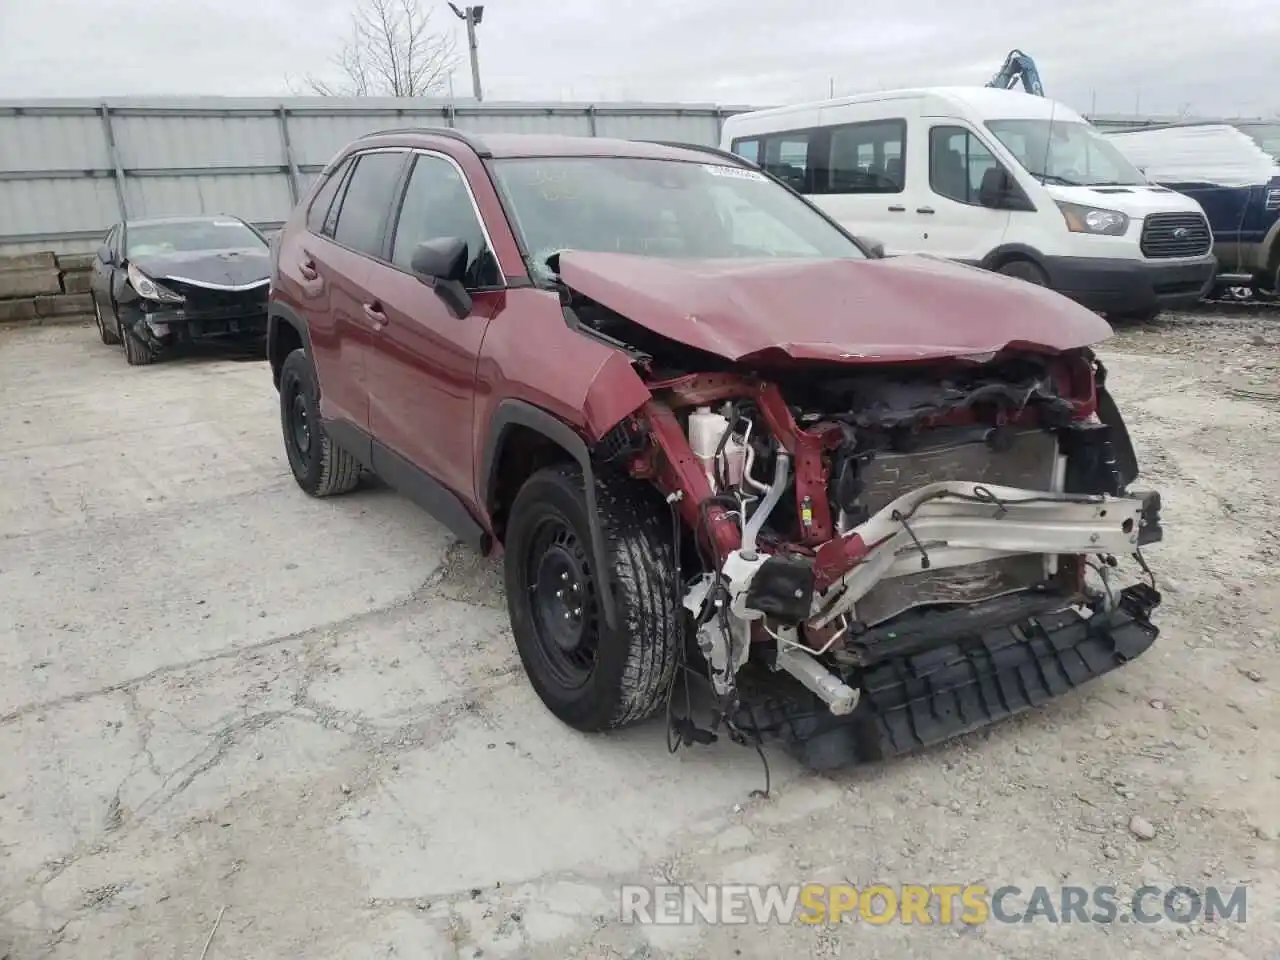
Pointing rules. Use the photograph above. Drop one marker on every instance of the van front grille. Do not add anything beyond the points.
(1167, 235)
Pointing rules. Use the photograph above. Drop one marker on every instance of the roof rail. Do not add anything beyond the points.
(703, 148)
(450, 132)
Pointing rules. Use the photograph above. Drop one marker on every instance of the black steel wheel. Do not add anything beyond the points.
(562, 601)
(319, 465)
(589, 673)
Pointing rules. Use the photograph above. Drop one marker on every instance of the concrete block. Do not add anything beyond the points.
(64, 305)
(29, 261)
(74, 262)
(17, 311)
(77, 281)
(15, 284)
(70, 320)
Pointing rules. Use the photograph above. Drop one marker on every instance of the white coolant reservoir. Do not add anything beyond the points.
(705, 430)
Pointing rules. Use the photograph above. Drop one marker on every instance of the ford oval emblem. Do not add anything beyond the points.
(1181, 233)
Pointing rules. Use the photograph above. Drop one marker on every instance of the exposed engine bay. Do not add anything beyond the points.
(860, 518)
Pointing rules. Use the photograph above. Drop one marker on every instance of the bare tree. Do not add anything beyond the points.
(392, 52)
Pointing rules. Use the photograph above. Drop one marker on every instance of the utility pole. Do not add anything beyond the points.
(472, 17)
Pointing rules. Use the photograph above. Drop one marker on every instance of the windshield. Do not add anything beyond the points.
(1265, 135)
(190, 236)
(1072, 154)
(660, 208)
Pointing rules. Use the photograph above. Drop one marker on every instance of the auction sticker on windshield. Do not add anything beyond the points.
(738, 172)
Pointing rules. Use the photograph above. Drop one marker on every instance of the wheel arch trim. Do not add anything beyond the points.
(519, 413)
(278, 313)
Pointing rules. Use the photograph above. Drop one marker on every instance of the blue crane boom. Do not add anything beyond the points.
(1018, 68)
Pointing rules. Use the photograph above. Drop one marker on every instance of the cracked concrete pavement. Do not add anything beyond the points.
(216, 692)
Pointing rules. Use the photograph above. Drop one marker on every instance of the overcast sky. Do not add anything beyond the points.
(1118, 56)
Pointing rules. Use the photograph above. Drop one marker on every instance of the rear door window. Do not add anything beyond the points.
(365, 205)
(318, 214)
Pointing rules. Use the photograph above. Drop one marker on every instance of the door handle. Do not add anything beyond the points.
(308, 269)
(897, 209)
(374, 312)
(925, 210)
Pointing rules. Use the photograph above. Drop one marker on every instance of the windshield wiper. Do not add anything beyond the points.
(1060, 181)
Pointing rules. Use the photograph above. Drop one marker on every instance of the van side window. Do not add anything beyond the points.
(786, 156)
(867, 158)
(750, 149)
(957, 163)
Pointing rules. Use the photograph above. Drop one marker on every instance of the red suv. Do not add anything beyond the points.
(713, 433)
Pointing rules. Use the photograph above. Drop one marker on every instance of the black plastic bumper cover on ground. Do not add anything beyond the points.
(924, 699)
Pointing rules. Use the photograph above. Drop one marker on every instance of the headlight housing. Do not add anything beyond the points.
(148, 289)
(1082, 219)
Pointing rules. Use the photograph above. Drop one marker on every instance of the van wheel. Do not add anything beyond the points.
(590, 676)
(320, 466)
(1024, 270)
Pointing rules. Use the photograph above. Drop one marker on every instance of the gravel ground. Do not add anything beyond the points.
(220, 699)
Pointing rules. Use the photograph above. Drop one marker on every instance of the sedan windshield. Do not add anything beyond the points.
(1069, 154)
(190, 236)
(660, 208)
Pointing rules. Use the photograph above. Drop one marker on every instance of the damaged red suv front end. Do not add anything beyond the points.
(896, 473)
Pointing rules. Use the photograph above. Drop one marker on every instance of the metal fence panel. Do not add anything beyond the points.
(71, 168)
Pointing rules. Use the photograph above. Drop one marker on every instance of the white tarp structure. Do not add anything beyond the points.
(1216, 153)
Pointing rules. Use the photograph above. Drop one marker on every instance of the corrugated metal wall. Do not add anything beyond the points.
(71, 168)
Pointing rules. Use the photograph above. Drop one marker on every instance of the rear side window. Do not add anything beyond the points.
(319, 211)
(367, 201)
(867, 157)
(957, 163)
(437, 204)
(786, 156)
(750, 149)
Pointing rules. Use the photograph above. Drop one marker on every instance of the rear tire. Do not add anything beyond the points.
(321, 467)
(1024, 270)
(591, 677)
(137, 353)
(108, 337)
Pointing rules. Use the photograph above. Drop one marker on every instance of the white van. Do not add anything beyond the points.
(1001, 179)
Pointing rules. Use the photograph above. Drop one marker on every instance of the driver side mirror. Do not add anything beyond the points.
(442, 265)
(999, 191)
(105, 255)
(875, 249)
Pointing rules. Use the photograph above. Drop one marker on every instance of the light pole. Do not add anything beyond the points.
(472, 16)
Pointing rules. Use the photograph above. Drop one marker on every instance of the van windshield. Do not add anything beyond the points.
(660, 208)
(1070, 153)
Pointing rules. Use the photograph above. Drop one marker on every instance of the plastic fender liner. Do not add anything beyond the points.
(921, 700)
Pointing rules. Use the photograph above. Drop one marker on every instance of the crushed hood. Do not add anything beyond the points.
(218, 269)
(846, 311)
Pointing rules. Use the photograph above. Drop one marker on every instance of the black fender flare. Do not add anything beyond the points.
(512, 413)
(1014, 251)
(278, 313)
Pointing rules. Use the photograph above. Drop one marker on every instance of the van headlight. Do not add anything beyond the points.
(1081, 219)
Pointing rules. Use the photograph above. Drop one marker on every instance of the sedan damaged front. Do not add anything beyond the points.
(192, 280)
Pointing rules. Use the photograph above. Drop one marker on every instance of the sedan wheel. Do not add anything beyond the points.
(106, 335)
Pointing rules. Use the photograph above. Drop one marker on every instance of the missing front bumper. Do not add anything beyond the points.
(920, 700)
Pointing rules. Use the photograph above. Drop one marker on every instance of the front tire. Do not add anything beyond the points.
(321, 467)
(1024, 270)
(136, 353)
(108, 337)
(591, 677)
